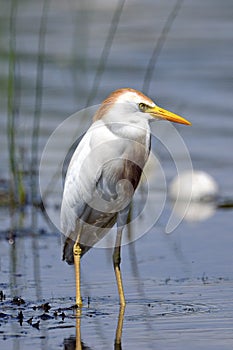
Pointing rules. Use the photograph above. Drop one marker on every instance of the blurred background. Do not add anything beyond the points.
(57, 57)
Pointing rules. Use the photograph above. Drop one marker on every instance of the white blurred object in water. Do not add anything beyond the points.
(193, 185)
(197, 189)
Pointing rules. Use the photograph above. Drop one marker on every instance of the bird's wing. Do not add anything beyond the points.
(91, 236)
(78, 184)
(68, 157)
(81, 193)
(100, 182)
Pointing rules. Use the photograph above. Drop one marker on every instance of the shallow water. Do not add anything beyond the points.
(168, 305)
(178, 287)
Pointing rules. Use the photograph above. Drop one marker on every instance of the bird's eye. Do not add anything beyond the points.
(143, 107)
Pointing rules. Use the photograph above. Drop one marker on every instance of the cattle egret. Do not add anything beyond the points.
(104, 173)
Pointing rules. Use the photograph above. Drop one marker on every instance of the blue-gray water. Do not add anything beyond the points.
(178, 286)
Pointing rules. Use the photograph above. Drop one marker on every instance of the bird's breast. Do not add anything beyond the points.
(121, 174)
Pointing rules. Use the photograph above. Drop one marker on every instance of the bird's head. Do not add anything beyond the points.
(134, 104)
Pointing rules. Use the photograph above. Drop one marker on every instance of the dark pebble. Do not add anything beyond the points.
(20, 315)
(63, 315)
(46, 307)
(17, 301)
(36, 325)
(29, 321)
(2, 296)
(45, 317)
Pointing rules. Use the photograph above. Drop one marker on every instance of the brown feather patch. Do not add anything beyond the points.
(111, 99)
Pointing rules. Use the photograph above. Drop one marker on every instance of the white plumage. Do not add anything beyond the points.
(105, 170)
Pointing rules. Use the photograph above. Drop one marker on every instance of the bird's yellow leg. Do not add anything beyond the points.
(77, 255)
(116, 265)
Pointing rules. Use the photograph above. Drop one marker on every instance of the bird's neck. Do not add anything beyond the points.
(130, 129)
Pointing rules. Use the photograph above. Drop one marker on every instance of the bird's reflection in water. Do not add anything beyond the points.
(70, 344)
(117, 343)
(75, 342)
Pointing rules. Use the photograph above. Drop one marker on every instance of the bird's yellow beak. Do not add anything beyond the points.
(160, 113)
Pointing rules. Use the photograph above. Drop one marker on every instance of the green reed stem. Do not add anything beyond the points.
(17, 186)
(38, 103)
(159, 46)
(106, 51)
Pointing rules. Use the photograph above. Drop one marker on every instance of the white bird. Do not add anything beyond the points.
(104, 173)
